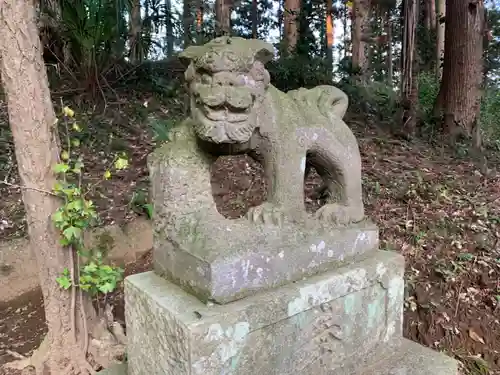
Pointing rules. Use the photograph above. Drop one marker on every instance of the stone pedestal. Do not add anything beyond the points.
(346, 321)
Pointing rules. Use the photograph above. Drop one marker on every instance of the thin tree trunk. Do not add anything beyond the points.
(330, 34)
(187, 22)
(223, 9)
(460, 92)
(409, 69)
(431, 10)
(135, 33)
(169, 29)
(344, 26)
(291, 24)
(360, 33)
(441, 26)
(389, 62)
(254, 19)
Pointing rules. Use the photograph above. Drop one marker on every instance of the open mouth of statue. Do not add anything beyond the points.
(225, 113)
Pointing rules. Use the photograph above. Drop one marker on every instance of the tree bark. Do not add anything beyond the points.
(169, 26)
(409, 69)
(223, 9)
(431, 9)
(135, 33)
(291, 24)
(32, 121)
(187, 22)
(254, 18)
(460, 92)
(429, 12)
(441, 27)
(329, 37)
(360, 31)
(389, 62)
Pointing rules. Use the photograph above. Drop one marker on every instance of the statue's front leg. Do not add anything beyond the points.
(284, 171)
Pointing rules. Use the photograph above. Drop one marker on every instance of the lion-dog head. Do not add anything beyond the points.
(227, 81)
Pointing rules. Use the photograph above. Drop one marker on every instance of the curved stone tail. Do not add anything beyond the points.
(327, 100)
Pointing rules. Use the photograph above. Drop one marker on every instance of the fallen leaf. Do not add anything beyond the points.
(474, 336)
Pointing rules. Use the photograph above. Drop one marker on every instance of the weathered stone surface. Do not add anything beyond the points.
(236, 260)
(120, 369)
(313, 325)
(235, 109)
(399, 357)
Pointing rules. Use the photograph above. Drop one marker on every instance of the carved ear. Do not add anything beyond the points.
(263, 51)
(189, 54)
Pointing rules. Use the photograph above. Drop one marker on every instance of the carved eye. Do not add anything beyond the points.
(241, 80)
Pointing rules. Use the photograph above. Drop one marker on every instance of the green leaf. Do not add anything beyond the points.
(148, 207)
(58, 217)
(61, 168)
(85, 287)
(121, 163)
(107, 287)
(72, 233)
(91, 267)
(76, 205)
(78, 167)
(64, 282)
(107, 269)
(64, 242)
(65, 155)
(57, 187)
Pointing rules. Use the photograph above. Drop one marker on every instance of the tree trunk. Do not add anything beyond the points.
(169, 26)
(460, 92)
(223, 9)
(389, 62)
(135, 33)
(431, 10)
(32, 121)
(409, 69)
(441, 26)
(360, 33)
(254, 18)
(330, 34)
(345, 37)
(291, 24)
(187, 22)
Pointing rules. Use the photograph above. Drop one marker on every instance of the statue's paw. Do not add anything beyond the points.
(334, 213)
(266, 213)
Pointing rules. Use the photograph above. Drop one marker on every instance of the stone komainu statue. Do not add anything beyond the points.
(234, 107)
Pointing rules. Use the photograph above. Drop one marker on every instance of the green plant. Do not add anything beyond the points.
(78, 213)
(139, 204)
(488, 119)
(290, 73)
(161, 128)
(94, 33)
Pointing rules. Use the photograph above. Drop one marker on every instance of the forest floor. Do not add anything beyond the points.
(432, 206)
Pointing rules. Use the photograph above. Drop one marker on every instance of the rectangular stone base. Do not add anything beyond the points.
(403, 357)
(322, 325)
(245, 260)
